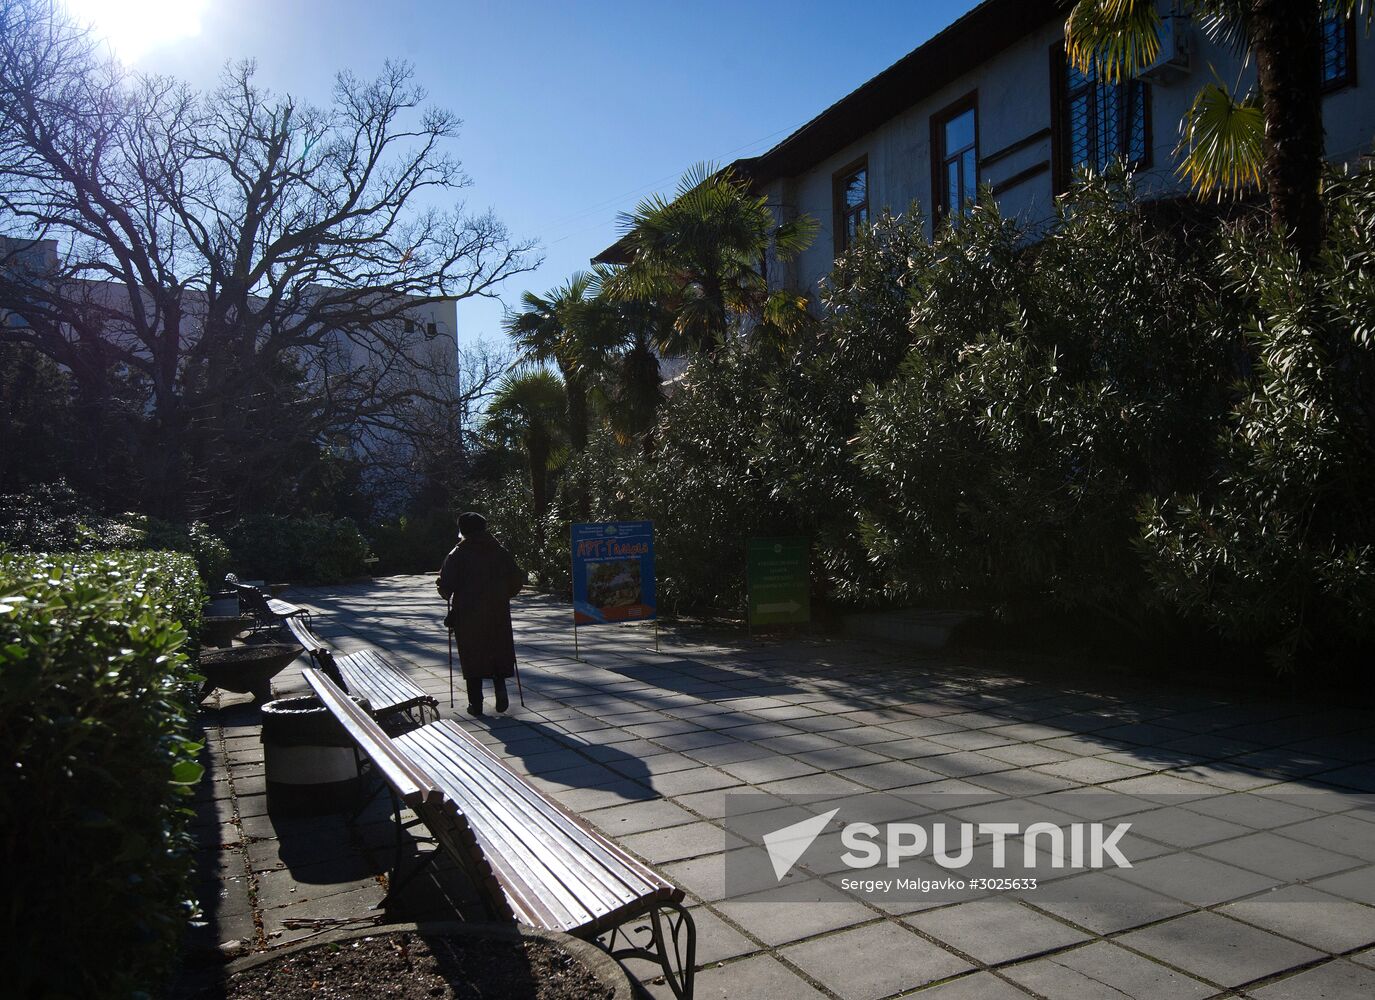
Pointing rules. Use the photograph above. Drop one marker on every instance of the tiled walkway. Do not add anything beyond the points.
(647, 745)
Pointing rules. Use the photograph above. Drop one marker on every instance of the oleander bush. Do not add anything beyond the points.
(96, 697)
(413, 543)
(303, 550)
(1049, 388)
(1278, 545)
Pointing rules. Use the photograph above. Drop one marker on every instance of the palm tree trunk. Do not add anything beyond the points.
(1287, 38)
(576, 389)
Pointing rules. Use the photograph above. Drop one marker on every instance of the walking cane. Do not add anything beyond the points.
(448, 609)
(520, 689)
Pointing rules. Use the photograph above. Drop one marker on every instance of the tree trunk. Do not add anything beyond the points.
(537, 444)
(1287, 39)
(575, 388)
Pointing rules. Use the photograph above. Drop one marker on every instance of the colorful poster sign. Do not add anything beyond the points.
(779, 581)
(613, 572)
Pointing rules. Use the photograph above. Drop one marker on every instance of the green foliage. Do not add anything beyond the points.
(297, 550)
(696, 255)
(413, 544)
(51, 517)
(1046, 391)
(95, 706)
(1280, 546)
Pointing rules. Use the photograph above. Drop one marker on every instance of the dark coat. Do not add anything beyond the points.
(482, 578)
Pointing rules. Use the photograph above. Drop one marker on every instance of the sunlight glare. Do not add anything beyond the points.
(136, 27)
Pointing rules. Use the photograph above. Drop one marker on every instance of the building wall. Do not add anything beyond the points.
(1015, 99)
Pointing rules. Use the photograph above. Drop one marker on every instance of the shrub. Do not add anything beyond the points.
(414, 544)
(95, 732)
(298, 550)
(52, 517)
(1279, 546)
(1049, 388)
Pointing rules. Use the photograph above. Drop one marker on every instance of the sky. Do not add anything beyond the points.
(572, 110)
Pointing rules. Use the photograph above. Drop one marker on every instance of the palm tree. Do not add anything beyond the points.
(1232, 142)
(527, 411)
(560, 327)
(699, 255)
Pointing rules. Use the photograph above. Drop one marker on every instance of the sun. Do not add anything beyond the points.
(136, 27)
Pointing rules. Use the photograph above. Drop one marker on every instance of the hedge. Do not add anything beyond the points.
(95, 706)
(303, 550)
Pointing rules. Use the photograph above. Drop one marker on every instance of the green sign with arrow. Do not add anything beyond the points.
(779, 582)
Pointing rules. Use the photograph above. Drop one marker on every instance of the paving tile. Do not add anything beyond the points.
(1279, 857)
(1336, 980)
(1341, 834)
(1105, 904)
(761, 976)
(874, 961)
(791, 912)
(1315, 918)
(1194, 879)
(717, 940)
(1180, 827)
(636, 817)
(1088, 770)
(890, 774)
(1217, 949)
(1103, 971)
(678, 842)
(1358, 885)
(994, 931)
(764, 769)
(979, 986)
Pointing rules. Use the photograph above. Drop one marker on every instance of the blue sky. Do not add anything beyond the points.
(572, 111)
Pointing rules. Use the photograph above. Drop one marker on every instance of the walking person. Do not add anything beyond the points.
(479, 578)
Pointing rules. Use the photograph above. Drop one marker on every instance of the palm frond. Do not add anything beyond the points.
(1112, 38)
(1222, 142)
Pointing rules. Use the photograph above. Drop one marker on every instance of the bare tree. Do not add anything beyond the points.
(251, 265)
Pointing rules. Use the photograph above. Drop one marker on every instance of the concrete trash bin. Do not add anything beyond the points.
(309, 760)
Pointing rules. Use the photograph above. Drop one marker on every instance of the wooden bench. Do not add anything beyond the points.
(384, 685)
(269, 612)
(531, 859)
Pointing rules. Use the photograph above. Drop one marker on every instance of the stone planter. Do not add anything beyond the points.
(605, 969)
(220, 630)
(246, 669)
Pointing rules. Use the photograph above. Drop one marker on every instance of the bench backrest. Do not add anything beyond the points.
(409, 781)
(254, 598)
(308, 639)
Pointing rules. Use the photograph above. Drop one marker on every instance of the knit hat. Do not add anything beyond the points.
(471, 524)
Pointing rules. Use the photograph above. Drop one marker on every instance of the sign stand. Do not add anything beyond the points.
(778, 582)
(612, 576)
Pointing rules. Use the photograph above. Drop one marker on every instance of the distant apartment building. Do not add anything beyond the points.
(412, 353)
(992, 100)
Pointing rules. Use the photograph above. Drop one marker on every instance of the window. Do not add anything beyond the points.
(955, 158)
(851, 203)
(1338, 52)
(1103, 121)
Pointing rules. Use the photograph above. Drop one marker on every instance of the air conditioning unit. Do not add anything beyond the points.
(1172, 62)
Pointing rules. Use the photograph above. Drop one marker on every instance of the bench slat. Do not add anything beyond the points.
(514, 874)
(548, 866)
(411, 783)
(507, 813)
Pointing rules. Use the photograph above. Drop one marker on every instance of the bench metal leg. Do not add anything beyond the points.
(672, 943)
(395, 880)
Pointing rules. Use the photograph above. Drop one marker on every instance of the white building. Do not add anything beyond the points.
(991, 100)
